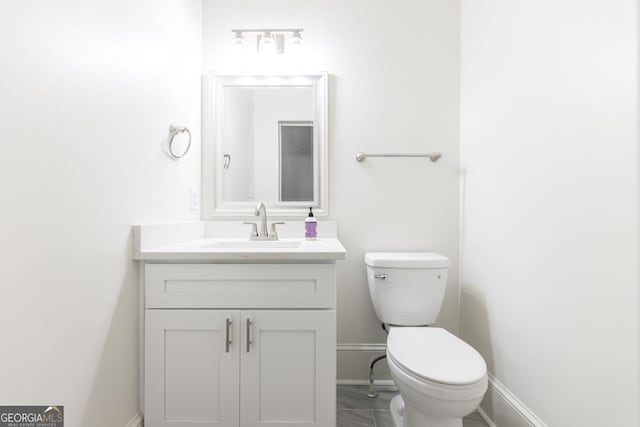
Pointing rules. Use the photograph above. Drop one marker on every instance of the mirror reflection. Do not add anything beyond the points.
(264, 139)
(268, 143)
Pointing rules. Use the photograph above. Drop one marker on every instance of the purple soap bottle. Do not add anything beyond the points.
(310, 226)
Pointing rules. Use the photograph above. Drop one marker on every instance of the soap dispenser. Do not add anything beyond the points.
(310, 226)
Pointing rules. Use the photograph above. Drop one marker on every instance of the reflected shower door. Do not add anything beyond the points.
(296, 161)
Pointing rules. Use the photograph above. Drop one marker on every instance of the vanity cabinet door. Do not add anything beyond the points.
(288, 373)
(191, 372)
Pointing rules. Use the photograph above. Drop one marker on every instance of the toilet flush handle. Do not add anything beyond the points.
(381, 276)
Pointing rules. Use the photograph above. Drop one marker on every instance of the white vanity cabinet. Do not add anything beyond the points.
(242, 345)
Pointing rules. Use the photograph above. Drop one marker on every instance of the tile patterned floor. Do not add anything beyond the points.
(356, 409)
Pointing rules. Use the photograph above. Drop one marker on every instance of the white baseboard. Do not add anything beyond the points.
(486, 418)
(136, 421)
(387, 384)
(362, 347)
(501, 408)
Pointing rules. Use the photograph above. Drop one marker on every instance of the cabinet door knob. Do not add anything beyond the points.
(227, 336)
(249, 335)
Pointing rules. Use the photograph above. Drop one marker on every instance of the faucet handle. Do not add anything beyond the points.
(274, 233)
(254, 229)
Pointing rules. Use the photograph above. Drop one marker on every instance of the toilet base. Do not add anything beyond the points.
(397, 410)
(399, 418)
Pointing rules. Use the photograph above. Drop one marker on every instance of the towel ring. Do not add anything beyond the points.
(177, 130)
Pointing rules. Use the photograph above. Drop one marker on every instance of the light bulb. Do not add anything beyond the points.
(237, 41)
(268, 44)
(296, 41)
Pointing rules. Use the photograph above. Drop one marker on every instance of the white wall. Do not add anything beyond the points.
(394, 87)
(88, 91)
(238, 143)
(549, 143)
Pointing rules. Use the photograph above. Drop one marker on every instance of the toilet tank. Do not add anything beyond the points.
(407, 288)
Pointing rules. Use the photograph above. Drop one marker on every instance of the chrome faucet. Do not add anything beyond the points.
(261, 232)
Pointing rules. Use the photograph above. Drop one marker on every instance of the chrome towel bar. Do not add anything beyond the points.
(434, 157)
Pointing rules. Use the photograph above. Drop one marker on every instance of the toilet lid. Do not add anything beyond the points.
(435, 355)
(406, 260)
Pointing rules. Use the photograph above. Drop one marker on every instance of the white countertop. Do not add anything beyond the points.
(199, 242)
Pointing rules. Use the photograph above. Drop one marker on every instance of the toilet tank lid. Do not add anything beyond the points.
(406, 260)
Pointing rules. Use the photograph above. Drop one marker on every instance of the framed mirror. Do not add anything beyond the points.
(264, 140)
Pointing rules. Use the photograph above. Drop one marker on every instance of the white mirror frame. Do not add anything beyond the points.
(213, 207)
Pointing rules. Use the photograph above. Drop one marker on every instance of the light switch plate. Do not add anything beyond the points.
(195, 199)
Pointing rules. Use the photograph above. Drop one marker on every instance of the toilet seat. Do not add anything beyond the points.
(435, 356)
(413, 387)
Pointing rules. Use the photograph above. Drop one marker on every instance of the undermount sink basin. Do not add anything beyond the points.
(254, 244)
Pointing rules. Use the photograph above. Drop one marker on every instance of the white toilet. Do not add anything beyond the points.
(440, 378)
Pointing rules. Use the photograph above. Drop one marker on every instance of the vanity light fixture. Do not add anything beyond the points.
(269, 41)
